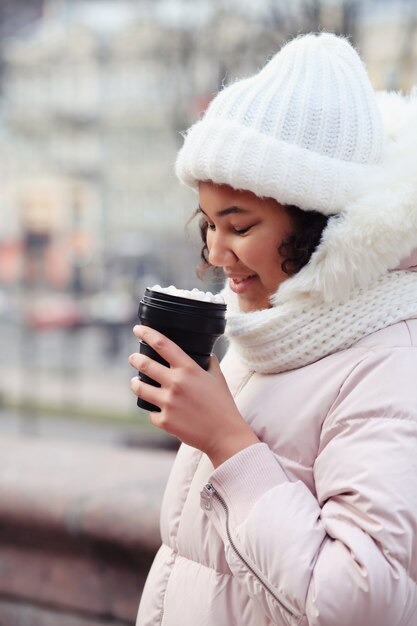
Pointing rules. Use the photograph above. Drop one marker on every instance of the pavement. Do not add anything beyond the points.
(90, 490)
(79, 526)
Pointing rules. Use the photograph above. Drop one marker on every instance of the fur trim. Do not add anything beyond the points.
(378, 227)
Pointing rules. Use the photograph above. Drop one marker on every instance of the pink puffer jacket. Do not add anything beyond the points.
(317, 525)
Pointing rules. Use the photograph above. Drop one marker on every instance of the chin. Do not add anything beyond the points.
(248, 306)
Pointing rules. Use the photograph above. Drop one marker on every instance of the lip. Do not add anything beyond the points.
(240, 283)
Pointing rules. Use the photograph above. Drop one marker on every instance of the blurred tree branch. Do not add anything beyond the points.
(406, 54)
(237, 44)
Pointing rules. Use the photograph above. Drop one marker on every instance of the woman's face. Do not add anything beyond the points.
(243, 236)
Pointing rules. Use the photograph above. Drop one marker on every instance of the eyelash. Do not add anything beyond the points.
(238, 231)
(242, 231)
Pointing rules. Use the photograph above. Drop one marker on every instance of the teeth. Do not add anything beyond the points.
(241, 279)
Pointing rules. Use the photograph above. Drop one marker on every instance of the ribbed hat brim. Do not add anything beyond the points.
(228, 153)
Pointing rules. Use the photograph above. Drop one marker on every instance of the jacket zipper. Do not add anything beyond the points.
(243, 384)
(206, 497)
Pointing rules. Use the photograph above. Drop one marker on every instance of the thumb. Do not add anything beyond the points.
(214, 368)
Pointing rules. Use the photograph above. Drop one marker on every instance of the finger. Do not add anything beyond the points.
(142, 390)
(166, 348)
(150, 368)
(214, 367)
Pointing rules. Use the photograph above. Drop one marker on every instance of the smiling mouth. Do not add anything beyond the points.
(239, 284)
(241, 279)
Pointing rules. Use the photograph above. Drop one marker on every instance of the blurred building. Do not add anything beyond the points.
(389, 43)
(95, 95)
(15, 16)
(91, 113)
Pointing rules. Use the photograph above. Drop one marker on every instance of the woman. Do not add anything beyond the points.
(294, 498)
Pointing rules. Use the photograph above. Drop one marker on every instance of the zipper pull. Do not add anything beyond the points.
(206, 496)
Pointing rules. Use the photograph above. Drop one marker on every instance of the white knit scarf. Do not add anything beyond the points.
(295, 334)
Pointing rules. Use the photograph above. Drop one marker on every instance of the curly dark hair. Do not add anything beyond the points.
(296, 250)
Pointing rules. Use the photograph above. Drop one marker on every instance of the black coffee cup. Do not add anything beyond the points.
(194, 325)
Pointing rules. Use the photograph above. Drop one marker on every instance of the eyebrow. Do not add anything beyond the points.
(227, 211)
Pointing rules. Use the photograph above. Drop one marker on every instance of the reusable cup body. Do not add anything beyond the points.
(194, 325)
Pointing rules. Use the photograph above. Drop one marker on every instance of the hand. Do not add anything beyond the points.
(196, 406)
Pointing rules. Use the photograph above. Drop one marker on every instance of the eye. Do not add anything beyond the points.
(241, 231)
(211, 226)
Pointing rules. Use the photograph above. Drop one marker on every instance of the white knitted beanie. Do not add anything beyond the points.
(309, 130)
(302, 130)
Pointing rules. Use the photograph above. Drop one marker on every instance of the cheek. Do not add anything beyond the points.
(268, 250)
(270, 263)
(263, 257)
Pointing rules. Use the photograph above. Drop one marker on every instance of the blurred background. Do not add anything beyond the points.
(93, 98)
(94, 95)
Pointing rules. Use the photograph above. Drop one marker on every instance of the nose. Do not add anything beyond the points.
(220, 253)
